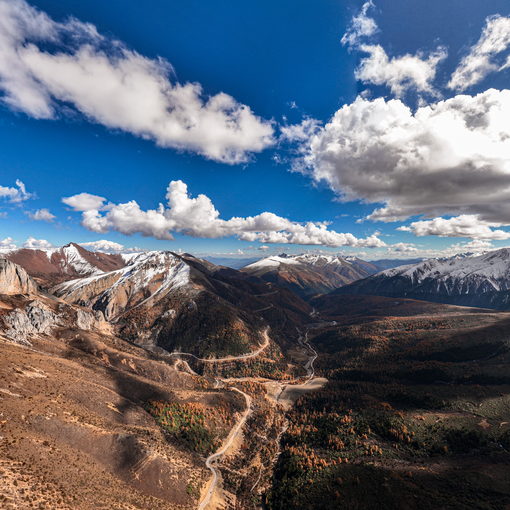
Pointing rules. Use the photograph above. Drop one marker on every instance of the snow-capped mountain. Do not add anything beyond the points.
(310, 274)
(147, 277)
(54, 265)
(475, 280)
(177, 301)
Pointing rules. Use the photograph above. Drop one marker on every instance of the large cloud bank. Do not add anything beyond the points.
(198, 217)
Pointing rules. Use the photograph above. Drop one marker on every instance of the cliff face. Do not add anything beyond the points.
(15, 280)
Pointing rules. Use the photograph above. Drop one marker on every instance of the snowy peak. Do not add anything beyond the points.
(492, 267)
(148, 277)
(475, 280)
(310, 259)
(54, 265)
(309, 274)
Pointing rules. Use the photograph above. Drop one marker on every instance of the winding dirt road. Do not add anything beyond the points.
(248, 355)
(218, 454)
(287, 394)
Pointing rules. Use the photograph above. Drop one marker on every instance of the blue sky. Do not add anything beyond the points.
(285, 61)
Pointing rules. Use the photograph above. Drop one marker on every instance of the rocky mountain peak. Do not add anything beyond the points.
(15, 280)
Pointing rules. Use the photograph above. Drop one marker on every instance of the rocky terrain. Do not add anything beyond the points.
(179, 302)
(134, 426)
(170, 382)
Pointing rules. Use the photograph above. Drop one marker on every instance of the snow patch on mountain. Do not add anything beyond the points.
(493, 268)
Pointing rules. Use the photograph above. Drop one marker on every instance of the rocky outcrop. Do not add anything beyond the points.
(35, 319)
(149, 278)
(15, 280)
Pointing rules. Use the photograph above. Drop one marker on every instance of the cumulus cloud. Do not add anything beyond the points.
(198, 217)
(399, 73)
(449, 158)
(405, 250)
(117, 87)
(84, 202)
(15, 194)
(466, 225)
(7, 244)
(361, 26)
(41, 215)
(486, 56)
(106, 246)
(408, 248)
(37, 244)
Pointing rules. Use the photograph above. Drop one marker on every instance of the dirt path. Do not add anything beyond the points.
(284, 393)
(210, 461)
(248, 355)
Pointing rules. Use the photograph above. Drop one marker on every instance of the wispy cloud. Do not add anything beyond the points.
(15, 194)
(398, 73)
(41, 215)
(488, 55)
(361, 26)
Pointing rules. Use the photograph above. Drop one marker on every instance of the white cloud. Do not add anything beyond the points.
(7, 244)
(407, 248)
(485, 56)
(399, 73)
(465, 225)
(477, 245)
(15, 194)
(404, 250)
(361, 26)
(104, 245)
(37, 244)
(449, 158)
(263, 248)
(84, 202)
(197, 217)
(41, 215)
(300, 132)
(117, 87)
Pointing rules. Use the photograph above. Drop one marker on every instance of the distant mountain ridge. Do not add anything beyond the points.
(470, 280)
(310, 274)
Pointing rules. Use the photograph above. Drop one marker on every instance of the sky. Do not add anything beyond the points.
(378, 129)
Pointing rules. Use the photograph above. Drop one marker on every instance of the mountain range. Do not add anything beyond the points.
(87, 379)
(310, 274)
(469, 280)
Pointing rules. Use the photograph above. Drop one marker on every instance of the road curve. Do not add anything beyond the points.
(248, 355)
